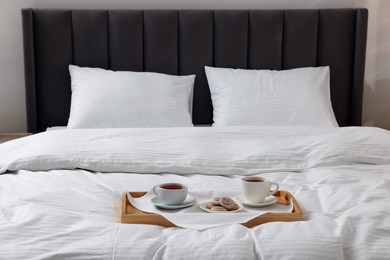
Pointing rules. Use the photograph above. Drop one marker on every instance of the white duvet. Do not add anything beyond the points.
(60, 192)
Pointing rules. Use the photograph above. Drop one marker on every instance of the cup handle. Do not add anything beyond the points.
(272, 192)
(155, 191)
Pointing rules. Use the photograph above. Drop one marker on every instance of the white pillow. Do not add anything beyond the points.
(266, 97)
(107, 99)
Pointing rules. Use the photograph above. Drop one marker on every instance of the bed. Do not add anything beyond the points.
(60, 190)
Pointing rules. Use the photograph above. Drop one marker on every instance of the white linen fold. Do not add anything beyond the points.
(195, 218)
(241, 150)
(75, 214)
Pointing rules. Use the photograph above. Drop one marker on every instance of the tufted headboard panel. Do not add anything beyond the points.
(184, 41)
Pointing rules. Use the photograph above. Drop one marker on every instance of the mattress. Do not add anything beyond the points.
(60, 192)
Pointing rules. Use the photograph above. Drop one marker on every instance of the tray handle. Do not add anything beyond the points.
(283, 198)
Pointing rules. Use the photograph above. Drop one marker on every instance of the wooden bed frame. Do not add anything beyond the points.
(182, 42)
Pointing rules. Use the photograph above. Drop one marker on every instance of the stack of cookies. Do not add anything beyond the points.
(222, 204)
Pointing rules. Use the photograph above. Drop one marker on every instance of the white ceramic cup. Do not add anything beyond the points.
(256, 189)
(171, 193)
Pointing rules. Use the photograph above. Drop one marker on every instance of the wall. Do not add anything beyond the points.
(376, 107)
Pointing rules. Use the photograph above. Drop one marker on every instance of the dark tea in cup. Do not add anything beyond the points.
(253, 180)
(172, 186)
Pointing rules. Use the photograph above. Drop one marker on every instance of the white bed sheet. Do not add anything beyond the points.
(244, 150)
(75, 214)
(66, 214)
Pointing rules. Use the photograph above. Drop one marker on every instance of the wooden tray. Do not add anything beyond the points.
(132, 215)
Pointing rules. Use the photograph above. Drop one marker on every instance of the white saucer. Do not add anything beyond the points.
(203, 207)
(188, 202)
(267, 201)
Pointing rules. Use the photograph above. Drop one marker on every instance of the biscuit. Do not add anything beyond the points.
(227, 203)
(235, 207)
(209, 205)
(218, 208)
(216, 201)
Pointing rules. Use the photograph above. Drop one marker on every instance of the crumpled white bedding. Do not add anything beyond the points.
(244, 150)
(74, 214)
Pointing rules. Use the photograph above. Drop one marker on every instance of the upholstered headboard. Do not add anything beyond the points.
(183, 42)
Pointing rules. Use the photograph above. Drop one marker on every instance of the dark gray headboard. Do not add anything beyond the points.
(183, 42)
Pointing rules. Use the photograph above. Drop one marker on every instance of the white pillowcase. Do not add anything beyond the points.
(107, 99)
(266, 97)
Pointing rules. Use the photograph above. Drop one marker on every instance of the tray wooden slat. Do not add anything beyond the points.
(132, 215)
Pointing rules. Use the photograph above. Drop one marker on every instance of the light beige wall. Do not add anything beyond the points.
(376, 105)
(12, 102)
